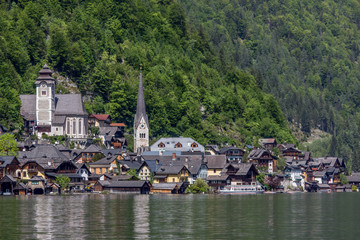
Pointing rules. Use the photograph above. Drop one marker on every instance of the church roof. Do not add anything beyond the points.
(140, 108)
(65, 104)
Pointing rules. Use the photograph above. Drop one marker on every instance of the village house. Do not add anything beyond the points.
(99, 120)
(8, 166)
(177, 144)
(216, 182)
(88, 155)
(172, 173)
(105, 165)
(167, 188)
(263, 160)
(268, 143)
(241, 173)
(215, 164)
(113, 136)
(233, 154)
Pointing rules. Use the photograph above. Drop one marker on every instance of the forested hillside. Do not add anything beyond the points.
(213, 70)
(100, 45)
(305, 53)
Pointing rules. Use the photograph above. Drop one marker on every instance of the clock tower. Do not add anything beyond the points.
(141, 121)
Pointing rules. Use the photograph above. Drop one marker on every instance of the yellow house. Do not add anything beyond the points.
(215, 164)
(29, 170)
(104, 165)
(172, 173)
(145, 172)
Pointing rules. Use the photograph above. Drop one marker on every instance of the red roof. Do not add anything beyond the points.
(117, 125)
(100, 117)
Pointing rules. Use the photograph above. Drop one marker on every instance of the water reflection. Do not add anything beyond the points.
(298, 216)
(141, 216)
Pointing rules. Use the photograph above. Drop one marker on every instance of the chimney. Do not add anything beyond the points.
(173, 156)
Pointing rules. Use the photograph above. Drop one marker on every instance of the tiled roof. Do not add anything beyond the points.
(122, 184)
(215, 161)
(164, 186)
(100, 117)
(170, 144)
(117, 125)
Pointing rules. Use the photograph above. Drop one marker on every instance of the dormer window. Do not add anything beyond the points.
(161, 145)
(178, 145)
(194, 145)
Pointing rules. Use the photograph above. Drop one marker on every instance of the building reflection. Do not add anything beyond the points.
(43, 216)
(141, 216)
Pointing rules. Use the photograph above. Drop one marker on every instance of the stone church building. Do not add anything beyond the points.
(53, 114)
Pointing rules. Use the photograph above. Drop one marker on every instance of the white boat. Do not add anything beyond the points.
(241, 189)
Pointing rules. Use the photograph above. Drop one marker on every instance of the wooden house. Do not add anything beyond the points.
(268, 143)
(215, 164)
(172, 173)
(99, 120)
(263, 160)
(241, 173)
(233, 154)
(88, 155)
(142, 187)
(7, 185)
(167, 188)
(8, 166)
(218, 182)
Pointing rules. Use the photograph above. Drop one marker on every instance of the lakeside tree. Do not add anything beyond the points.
(199, 186)
(63, 181)
(8, 145)
(343, 179)
(272, 181)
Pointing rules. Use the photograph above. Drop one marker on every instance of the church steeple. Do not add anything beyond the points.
(141, 121)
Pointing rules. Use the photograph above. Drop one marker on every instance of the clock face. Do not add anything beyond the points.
(43, 85)
(142, 126)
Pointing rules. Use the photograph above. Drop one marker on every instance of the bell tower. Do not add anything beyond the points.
(45, 100)
(141, 121)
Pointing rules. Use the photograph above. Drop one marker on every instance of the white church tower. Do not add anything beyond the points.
(45, 101)
(141, 122)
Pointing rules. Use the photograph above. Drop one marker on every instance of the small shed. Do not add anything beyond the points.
(169, 188)
(7, 185)
(20, 189)
(142, 187)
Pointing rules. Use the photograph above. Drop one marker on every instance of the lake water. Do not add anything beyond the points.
(275, 216)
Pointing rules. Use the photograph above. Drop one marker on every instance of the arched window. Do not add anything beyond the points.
(79, 126)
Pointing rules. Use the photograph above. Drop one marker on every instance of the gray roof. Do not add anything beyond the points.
(223, 177)
(140, 107)
(242, 168)
(104, 161)
(92, 149)
(170, 144)
(225, 149)
(28, 107)
(130, 164)
(6, 160)
(355, 178)
(165, 186)
(215, 161)
(170, 169)
(43, 151)
(319, 174)
(122, 184)
(7, 178)
(65, 104)
(258, 153)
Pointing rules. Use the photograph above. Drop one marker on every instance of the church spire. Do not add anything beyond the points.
(141, 122)
(140, 108)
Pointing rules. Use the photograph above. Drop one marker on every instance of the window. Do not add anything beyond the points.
(173, 179)
(214, 170)
(35, 183)
(161, 145)
(178, 145)
(56, 129)
(100, 170)
(68, 127)
(194, 145)
(43, 93)
(74, 126)
(79, 126)
(24, 174)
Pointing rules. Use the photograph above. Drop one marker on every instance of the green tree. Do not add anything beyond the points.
(8, 145)
(132, 172)
(281, 164)
(199, 186)
(343, 179)
(63, 181)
